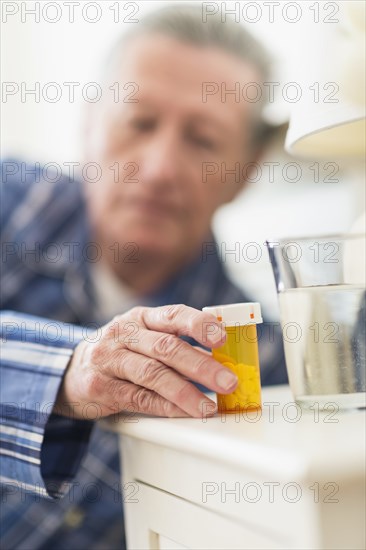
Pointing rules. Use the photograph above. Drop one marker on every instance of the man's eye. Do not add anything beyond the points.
(143, 124)
(203, 142)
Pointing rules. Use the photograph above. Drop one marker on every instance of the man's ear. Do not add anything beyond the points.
(247, 170)
(266, 135)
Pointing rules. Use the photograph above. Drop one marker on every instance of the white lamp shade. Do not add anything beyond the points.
(330, 121)
(337, 132)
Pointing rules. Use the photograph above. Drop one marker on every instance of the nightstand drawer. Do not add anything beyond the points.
(159, 520)
(227, 491)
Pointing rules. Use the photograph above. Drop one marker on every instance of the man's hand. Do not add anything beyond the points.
(139, 363)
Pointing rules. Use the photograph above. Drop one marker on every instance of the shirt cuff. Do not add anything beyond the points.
(64, 446)
(40, 451)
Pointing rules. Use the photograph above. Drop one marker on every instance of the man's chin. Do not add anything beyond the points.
(149, 248)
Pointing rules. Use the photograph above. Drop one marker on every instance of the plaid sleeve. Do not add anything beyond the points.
(40, 451)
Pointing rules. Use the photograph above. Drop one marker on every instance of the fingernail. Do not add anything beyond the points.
(226, 380)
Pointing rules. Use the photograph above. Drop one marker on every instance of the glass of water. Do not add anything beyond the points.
(321, 288)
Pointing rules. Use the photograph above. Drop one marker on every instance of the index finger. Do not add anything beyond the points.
(183, 320)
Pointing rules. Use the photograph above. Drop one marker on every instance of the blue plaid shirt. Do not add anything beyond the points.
(60, 477)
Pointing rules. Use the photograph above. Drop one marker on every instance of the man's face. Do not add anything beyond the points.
(154, 151)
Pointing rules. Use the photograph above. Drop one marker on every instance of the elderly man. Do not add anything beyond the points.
(133, 244)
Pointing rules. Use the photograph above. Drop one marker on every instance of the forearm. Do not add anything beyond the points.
(39, 449)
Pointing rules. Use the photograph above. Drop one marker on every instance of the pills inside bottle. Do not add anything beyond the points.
(239, 353)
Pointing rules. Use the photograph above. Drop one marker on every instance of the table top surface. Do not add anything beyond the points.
(281, 438)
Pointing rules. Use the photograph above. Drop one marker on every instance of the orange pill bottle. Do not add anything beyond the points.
(240, 355)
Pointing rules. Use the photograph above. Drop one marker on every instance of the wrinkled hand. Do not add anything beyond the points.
(139, 363)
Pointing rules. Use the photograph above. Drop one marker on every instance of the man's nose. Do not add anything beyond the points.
(160, 159)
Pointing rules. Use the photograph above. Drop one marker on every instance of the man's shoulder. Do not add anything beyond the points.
(22, 175)
(42, 187)
(218, 278)
(232, 293)
(207, 281)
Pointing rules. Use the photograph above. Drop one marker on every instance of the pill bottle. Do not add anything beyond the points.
(239, 354)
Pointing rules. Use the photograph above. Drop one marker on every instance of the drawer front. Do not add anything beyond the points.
(226, 491)
(159, 521)
(296, 518)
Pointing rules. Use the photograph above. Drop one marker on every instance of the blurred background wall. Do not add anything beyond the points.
(287, 198)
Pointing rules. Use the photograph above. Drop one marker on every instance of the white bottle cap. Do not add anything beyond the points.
(237, 314)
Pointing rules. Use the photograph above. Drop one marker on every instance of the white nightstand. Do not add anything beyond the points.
(287, 479)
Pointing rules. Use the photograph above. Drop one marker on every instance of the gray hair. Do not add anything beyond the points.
(185, 22)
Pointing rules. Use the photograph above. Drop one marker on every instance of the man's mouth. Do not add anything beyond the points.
(152, 207)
